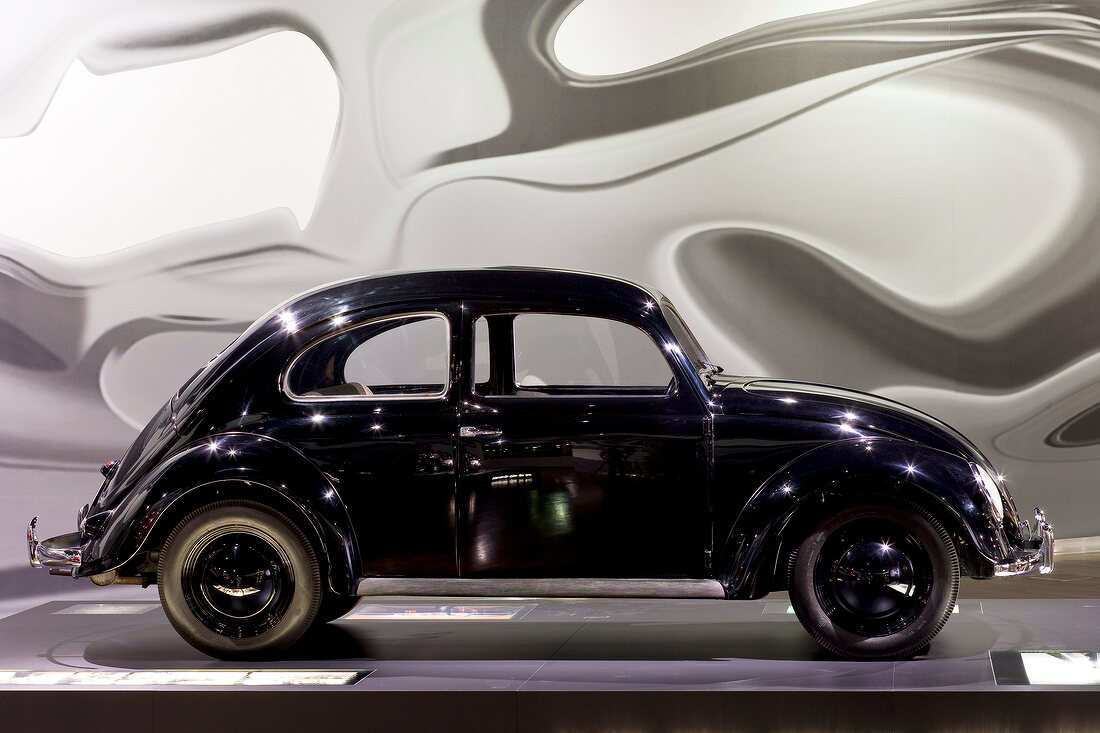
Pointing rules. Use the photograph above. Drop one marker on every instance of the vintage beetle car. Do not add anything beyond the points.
(517, 431)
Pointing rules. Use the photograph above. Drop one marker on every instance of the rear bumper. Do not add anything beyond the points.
(1035, 561)
(61, 554)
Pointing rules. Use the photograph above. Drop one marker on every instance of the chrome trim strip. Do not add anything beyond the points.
(544, 587)
(303, 399)
(1041, 561)
(478, 432)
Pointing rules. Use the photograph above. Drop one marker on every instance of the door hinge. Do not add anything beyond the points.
(706, 559)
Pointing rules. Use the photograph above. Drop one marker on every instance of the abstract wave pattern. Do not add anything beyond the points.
(899, 196)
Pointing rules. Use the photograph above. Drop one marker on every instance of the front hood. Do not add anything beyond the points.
(854, 413)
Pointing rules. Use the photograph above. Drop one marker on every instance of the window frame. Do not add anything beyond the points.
(579, 391)
(448, 385)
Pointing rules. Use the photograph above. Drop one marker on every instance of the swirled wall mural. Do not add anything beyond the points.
(896, 196)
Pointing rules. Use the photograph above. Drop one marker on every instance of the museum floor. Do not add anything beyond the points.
(1018, 654)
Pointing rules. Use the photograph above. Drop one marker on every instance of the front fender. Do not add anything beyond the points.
(261, 465)
(887, 467)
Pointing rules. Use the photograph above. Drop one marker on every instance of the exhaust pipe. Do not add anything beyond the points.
(111, 577)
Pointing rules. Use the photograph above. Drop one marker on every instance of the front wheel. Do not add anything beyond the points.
(875, 581)
(239, 580)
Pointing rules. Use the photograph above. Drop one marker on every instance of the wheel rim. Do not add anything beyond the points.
(873, 577)
(238, 582)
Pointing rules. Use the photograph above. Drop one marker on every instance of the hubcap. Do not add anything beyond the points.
(237, 582)
(873, 577)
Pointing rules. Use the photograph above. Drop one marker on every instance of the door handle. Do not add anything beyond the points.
(479, 432)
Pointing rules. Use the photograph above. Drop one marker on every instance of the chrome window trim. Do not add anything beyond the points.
(670, 361)
(284, 381)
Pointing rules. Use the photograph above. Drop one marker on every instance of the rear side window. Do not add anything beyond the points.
(406, 356)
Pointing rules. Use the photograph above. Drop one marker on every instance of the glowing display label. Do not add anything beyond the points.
(107, 609)
(183, 677)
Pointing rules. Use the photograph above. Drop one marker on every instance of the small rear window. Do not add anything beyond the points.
(405, 356)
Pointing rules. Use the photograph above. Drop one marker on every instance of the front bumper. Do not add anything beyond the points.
(1037, 561)
(60, 554)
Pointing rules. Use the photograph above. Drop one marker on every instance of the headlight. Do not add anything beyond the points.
(990, 489)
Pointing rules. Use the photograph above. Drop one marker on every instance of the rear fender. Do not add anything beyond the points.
(231, 464)
(809, 487)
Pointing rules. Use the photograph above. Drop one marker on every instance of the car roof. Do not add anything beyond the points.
(511, 283)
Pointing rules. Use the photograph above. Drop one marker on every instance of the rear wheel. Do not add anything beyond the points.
(875, 581)
(239, 580)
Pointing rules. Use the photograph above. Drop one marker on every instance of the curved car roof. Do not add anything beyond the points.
(506, 283)
(537, 286)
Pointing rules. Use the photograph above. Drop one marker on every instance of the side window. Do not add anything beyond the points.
(395, 357)
(481, 354)
(559, 352)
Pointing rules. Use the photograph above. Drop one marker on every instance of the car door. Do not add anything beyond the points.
(583, 452)
(378, 413)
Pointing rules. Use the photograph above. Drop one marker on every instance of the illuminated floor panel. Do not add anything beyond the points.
(1046, 667)
(107, 609)
(435, 612)
(181, 677)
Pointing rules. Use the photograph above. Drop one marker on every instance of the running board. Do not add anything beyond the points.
(543, 587)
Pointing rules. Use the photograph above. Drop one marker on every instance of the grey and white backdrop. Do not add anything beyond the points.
(895, 196)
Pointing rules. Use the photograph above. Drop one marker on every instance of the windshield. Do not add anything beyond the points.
(687, 340)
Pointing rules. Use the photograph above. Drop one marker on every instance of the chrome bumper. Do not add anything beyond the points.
(1042, 560)
(60, 554)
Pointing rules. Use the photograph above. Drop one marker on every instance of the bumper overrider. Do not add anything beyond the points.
(1040, 560)
(60, 554)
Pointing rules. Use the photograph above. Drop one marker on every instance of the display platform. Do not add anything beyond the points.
(552, 665)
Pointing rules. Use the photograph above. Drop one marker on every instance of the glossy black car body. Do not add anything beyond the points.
(707, 485)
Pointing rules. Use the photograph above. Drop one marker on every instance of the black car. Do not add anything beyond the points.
(518, 431)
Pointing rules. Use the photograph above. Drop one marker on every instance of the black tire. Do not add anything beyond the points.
(875, 581)
(239, 580)
(333, 606)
